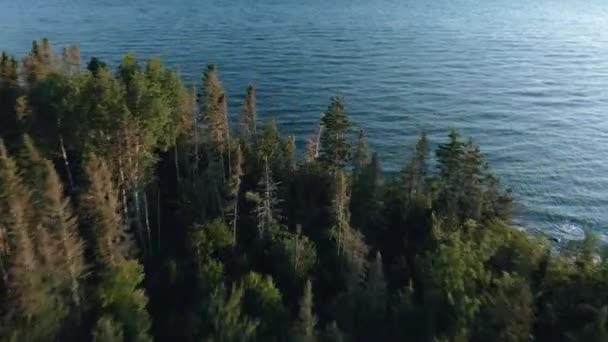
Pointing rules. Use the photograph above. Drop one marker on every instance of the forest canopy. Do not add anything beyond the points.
(133, 208)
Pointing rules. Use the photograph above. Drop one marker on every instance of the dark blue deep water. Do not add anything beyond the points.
(527, 79)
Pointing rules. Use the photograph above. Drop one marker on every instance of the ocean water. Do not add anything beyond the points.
(526, 79)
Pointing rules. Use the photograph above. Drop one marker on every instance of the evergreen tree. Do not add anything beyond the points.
(471, 182)
(226, 322)
(39, 62)
(70, 57)
(376, 288)
(34, 311)
(10, 90)
(58, 228)
(416, 171)
(266, 202)
(304, 329)
(60, 218)
(212, 101)
(290, 159)
(122, 299)
(334, 143)
(113, 243)
(449, 163)
(106, 330)
(249, 114)
(234, 190)
(362, 155)
(333, 334)
(263, 302)
(341, 213)
(350, 243)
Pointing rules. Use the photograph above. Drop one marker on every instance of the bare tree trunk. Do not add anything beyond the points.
(176, 160)
(196, 142)
(147, 220)
(158, 215)
(138, 219)
(235, 218)
(64, 156)
(296, 251)
(123, 192)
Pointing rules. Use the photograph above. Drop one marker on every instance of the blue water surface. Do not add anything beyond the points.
(527, 79)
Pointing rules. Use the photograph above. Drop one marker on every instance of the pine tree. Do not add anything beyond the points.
(449, 163)
(10, 90)
(124, 300)
(263, 302)
(334, 145)
(375, 288)
(365, 186)
(60, 218)
(311, 151)
(350, 244)
(112, 243)
(233, 191)
(212, 102)
(106, 330)
(472, 177)
(34, 308)
(58, 230)
(71, 59)
(362, 155)
(333, 333)
(267, 202)
(39, 62)
(249, 114)
(416, 171)
(304, 329)
(226, 321)
(290, 158)
(341, 213)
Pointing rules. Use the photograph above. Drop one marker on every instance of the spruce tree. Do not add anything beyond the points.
(106, 330)
(35, 311)
(249, 114)
(124, 301)
(375, 288)
(58, 225)
(416, 171)
(61, 220)
(471, 200)
(266, 202)
(341, 213)
(333, 333)
(225, 320)
(304, 329)
(449, 163)
(350, 243)
(10, 90)
(233, 192)
(39, 62)
(290, 159)
(335, 150)
(212, 102)
(362, 155)
(112, 243)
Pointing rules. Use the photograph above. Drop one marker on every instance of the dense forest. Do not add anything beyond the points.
(133, 208)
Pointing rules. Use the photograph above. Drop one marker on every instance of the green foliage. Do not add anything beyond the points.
(304, 329)
(249, 114)
(225, 320)
(263, 302)
(106, 330)
(122, 298)
(169, 209)
(335, 150)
